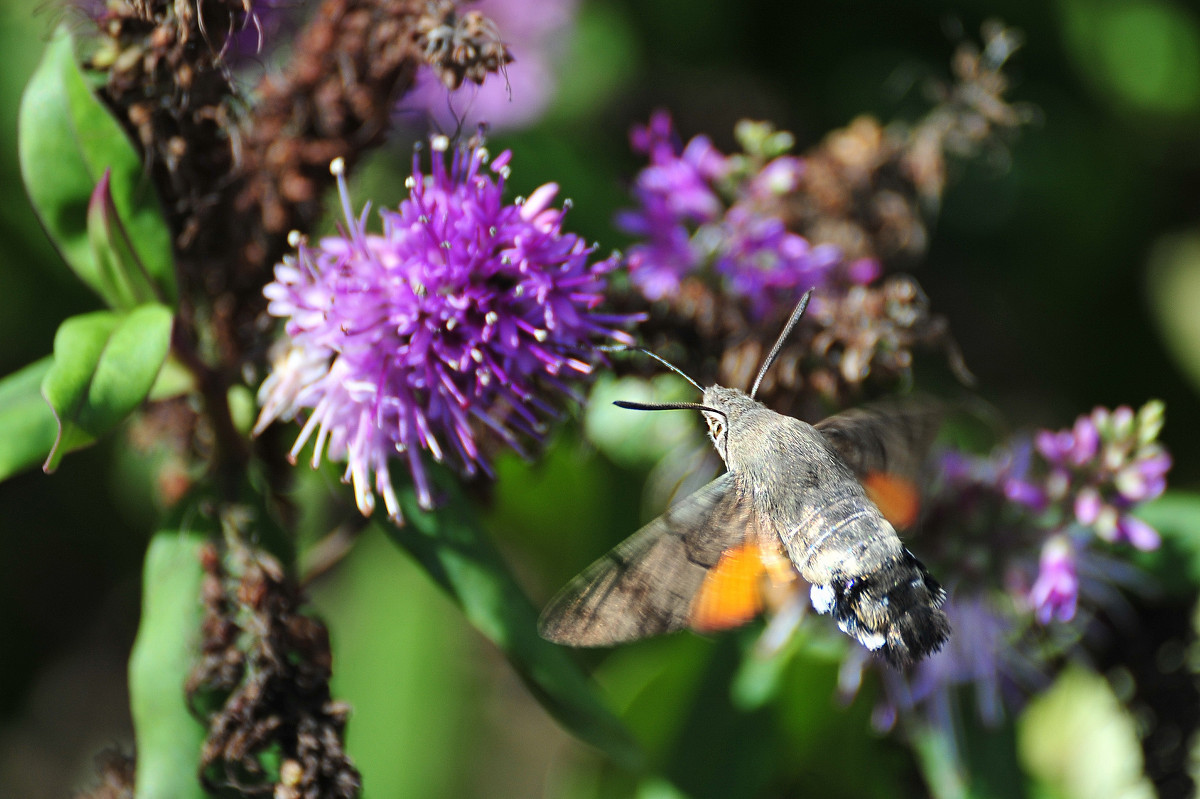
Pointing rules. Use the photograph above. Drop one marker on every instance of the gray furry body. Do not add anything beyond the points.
(803, 492)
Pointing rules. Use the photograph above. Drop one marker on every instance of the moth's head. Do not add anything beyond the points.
(728, 407)
(723, 408)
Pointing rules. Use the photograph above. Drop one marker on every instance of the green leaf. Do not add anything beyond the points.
(27, 425)
(67, 139)
(104, 366)
(1141, 56)
(1173, 286)
(459, 557)
(168, 737)
(120, 270)
(174, 380)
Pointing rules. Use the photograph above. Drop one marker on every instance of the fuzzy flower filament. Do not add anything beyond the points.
(464, 313)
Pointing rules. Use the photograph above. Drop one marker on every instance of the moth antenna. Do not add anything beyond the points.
(667, 406)
(787, 329)
(673, 368)
(663, 361)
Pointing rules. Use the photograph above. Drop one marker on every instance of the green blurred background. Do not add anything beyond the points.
(1069, 271)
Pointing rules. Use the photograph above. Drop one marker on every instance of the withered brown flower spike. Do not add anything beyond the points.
(166, 78)
(867, 188)
(460, 47)
(266, 667)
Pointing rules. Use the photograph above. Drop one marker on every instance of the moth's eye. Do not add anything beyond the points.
(717, 429)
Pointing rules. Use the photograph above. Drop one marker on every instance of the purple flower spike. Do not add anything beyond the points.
(1105, 465)
(456, 317)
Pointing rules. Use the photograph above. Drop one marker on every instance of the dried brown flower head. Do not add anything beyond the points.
(460, 47)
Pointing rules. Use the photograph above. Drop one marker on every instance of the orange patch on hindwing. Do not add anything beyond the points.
(732, 591)
(897, 498)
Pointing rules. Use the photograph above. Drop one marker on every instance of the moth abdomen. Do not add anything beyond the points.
(895, 609)
(845, 535)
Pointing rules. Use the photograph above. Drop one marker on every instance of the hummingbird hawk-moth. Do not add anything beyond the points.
(808, 488)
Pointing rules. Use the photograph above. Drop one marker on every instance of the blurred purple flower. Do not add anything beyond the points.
(457, 315)
(1055, 593)
(1006, 472)
(979, 655)
(1137, 533)
(1023, 492)
(864, 271)
(536, 34)
(698, 208)
(1070, 447)
(674, 194)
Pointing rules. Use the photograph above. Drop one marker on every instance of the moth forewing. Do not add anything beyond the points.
(646, 585)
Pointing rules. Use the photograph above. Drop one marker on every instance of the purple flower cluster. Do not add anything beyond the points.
(1106, 465)
(454, 318)
(1094, 475)
(1017, 530)
(698, 209)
